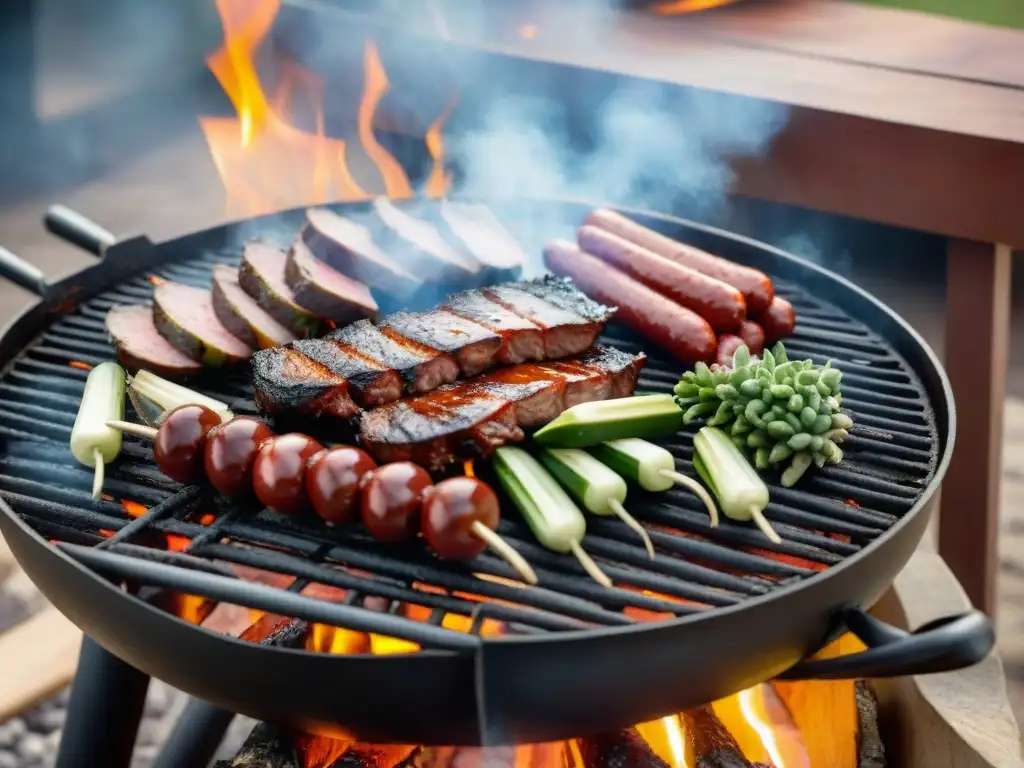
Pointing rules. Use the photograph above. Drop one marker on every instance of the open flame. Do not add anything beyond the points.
(265, 160)
(679, 7)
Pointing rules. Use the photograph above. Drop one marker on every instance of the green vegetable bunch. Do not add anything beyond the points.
(786, 412)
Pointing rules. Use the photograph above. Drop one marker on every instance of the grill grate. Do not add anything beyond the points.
(890, 458)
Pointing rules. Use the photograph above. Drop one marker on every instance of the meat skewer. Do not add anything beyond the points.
(289, 473)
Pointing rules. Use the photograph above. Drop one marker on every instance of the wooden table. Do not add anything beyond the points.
(897, 117)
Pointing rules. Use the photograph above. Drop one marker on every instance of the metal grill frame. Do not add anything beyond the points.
(494, 704)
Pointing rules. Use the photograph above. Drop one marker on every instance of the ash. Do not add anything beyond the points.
(31, 740)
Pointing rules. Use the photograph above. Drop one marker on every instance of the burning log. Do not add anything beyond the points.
(713, 745)
(268, 746)
(619, 749)
(870, 749)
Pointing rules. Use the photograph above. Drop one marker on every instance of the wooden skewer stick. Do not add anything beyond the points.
(764, 525)
(590, 566)
(632, 522)
(688, 482)
(139, 430)
(505, 551)
(98, 472)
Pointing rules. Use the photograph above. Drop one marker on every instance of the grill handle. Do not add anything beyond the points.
(942, 645)
(19, 271)
(78, 229)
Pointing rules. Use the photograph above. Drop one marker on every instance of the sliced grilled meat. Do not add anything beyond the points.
(262, 277)
(521, 340)
(241, 315)
(476, 228)
(565, 333)
(184, 316)
(467, 420)
(422, 368)
(140, 345)
(285, 380)
(323, 290)
(563, 293)
(369, 382)
(436, 429)
(422, 249)
(350, 249)
(472, 345)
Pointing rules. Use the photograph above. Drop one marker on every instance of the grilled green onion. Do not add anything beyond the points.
(596, 487)
(554, 519)
(93, 443)
(741, 492)
(154, 397)
(651, 467)
(588, 424)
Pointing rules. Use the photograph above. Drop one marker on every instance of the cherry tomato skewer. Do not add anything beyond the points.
(333, 479)
(459, 516)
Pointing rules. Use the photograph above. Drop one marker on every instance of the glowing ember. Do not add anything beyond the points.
(133, 508)
(268, 163)
(177, 543)
(156, 279)
(80, 365)
(679, 7)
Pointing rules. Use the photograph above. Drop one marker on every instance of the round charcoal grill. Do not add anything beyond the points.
(575, 658)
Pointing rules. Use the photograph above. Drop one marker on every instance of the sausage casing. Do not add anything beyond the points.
(752, 335)
(722, 305)
(680, 331)
(755, 286)
(727, 346)
(778, 320)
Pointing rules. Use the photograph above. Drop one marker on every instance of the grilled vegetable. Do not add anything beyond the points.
(93, 443)
(651, 467)
(741, 493)
(589, 424)
(154, 397)
(180, 442)
(552, 516)
(785, 413)
(596, 487)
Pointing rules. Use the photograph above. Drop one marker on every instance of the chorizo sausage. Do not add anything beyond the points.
(680, 331)
(752, 335)
(719, 303)
(778, 320)
(727, 346)
(755, 286)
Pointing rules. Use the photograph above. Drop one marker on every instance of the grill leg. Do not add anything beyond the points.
(195, 737)
(104, 711)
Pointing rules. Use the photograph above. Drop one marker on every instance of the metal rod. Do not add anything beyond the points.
(104, 711)
(196, 736)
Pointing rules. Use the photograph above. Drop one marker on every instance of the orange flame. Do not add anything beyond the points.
(80, 365)
(268, 163)
(679, 7)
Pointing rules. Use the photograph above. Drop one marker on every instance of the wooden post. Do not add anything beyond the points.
(977, 346)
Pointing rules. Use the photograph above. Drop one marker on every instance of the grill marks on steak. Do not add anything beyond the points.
(472, 345)
(420, 367)
(521, 340)
(284, 379)
(565, 332)
(471, 418)
(369, 382)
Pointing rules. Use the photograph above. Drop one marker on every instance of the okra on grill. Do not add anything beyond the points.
(554, 519)
(784, 413)
(93, 443)
(651, 467)
(592, 423)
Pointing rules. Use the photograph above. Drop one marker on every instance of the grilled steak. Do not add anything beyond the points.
(184, 316)
(471, 418)
(521, 340)
(422, 249)
(241, 315)
(565, 333)
(422, 368)
(286, 380)
(350, 249)
(325, 291)
(561, 292)
(369, 382)
(435, 429)
(472, 345)
(140, 345)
